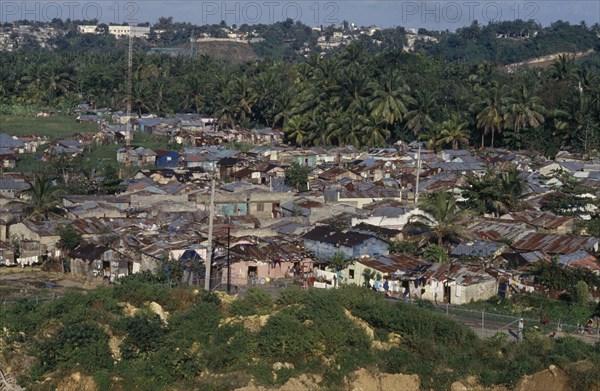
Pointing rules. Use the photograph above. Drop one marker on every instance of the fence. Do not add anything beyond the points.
(488, 324)
(35, 299)
(485, 324)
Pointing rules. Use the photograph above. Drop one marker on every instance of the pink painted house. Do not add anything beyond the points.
(262, 260)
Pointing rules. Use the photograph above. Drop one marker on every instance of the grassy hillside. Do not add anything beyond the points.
(235, 52)
(55, 127)
(204, 342)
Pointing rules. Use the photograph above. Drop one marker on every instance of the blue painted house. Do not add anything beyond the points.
(325, 242)
(167, 158)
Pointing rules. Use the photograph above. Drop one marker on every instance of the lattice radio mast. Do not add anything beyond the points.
(129, 87)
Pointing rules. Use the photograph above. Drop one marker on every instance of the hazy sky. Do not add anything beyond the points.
(436, 15)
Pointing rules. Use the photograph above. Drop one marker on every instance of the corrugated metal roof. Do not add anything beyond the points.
(541, 219)
(494, 229)
(556, 244)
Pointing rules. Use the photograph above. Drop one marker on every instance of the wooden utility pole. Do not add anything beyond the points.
(211, 213)
(228, 259)
(418, 175)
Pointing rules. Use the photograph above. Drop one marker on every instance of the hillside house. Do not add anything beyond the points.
(326, 242)
(8, 159)
(11, 143)
(258, 261)
(136, 156)
(360, 194)
(167, 158)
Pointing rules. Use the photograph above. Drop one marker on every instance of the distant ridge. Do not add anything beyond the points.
(544, 61)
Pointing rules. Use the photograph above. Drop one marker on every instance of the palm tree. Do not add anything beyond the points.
(441, 218)
(420, 116)
(194, 85)
(432, 136)
(496, 192)
(226, 109)
(44, 199)
(490, 110)
(454, 132)
(295, 130)
(512, 187)
(245, 97)
(563, 68)
(522, 110)
(283, 107)
(374, 132)
(390, 97)
(140, 95)
(343, 129)
(353, 87)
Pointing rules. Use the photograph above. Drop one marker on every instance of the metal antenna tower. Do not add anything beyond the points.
(129, 87)
(192, 49)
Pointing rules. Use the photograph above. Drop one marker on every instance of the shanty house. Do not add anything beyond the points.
(325, 242)
(258, 261)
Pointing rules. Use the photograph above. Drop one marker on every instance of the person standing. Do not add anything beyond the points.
(521, 326)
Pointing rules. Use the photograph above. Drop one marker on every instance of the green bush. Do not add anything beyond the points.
(145, 333)
(255, 301)
(196, 324)
(137, 293)
(305, 328)
(79, 344)
(232, 347)
(291, 295)
(285, 338)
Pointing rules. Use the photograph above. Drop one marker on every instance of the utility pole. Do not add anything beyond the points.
(418, 175)
(228, 259)
(211, 211)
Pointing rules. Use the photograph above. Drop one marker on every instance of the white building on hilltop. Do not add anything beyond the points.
(87, 29)
(125, 31)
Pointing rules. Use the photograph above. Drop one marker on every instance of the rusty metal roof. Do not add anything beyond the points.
(541, 219)
(494, 229)
(556, 244)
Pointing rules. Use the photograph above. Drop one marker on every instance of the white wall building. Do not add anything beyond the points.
(125, 31)
(87, 29)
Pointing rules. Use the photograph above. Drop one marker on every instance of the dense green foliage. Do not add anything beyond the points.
(495, 192)
(69, 237)
(435, 253)
(556, 276)
(440, 219)
(306, 328)
(519, 41)
(43, 201)
(354, 96)
(296, 176)
(536, 306)
(396, 247)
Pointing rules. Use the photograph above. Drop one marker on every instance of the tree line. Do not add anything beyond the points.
(351, 97)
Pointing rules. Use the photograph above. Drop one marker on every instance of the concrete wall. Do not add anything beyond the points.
(358, 269)
(484, 290)
(459, 294)
(46, 242)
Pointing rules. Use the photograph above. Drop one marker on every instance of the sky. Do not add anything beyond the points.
(433, 15)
